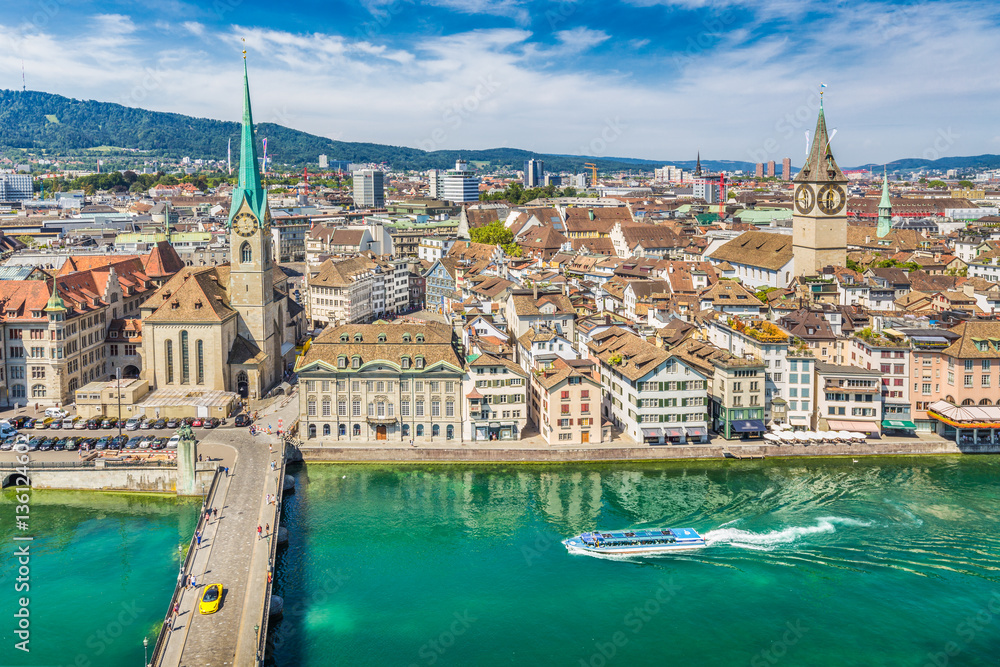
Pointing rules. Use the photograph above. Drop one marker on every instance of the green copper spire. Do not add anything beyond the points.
(884, 207)
(249, 188)
(55, 303)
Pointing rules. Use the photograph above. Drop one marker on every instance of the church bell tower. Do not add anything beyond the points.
(251, 288)
(819, 223)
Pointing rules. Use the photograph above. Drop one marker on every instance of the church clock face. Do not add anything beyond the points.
(804, 199)
(831, 199)
(245, 224)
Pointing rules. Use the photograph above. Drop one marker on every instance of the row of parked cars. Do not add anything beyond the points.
(73, 443)
(96, 423)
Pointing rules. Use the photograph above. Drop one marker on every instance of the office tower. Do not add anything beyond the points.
(368, 189)
(534, 173)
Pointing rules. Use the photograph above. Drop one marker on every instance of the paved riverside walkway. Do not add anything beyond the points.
(233, 555)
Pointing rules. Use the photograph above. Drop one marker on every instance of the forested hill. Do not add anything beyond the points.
(36, 120)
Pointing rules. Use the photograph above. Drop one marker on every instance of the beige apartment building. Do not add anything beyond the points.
(565, 402)
(496, 399)
(382, 382)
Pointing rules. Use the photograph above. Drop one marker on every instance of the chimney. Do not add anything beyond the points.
(535, 290)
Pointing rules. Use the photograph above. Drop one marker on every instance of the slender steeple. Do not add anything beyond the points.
(697, 165)
(55, 303)
(820, 167)
(884, 207)
(249, 188)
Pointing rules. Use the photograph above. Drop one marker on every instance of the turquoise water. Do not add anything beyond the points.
(103, 568)
(825, 562)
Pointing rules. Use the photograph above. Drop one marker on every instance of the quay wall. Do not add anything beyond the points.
(156, 479)
(650, 453)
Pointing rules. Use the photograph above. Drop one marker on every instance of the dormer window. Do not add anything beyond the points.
(344, 338)
(420, 338)
(114, 334)
(406, 338)
(341, 361)
(405, 363)
(175, 305)
(355, 361)
(381, 338)
(419, 362)
(358, 338)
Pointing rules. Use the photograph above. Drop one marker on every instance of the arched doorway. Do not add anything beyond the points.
(16, 479)
(130, 373)
(242, 384)
(380, 432)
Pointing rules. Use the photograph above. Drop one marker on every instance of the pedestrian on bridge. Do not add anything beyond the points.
(258, 531)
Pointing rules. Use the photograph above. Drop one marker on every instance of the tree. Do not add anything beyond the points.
(965, 184)
(496, 234)
(937, 184)
(854, 266)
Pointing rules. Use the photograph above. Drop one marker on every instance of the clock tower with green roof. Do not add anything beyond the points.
(255, 355)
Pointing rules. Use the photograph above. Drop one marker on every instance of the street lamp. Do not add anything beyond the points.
(145, 651)
(180, 562)
(204, 497)
(119, 392)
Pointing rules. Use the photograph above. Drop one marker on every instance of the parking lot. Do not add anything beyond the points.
(51, 435)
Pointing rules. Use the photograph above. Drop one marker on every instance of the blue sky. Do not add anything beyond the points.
(658, 79)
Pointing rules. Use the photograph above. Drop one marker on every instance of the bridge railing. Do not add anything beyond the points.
(161, 639)
(272, 554)
(89, 464)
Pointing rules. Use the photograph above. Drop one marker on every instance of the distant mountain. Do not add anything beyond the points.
(987, 161)
(35, 120)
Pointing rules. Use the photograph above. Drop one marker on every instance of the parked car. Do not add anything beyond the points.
(173, 441)
(188, 420)
(159, 443)
(89, 443)
(242, 419)
(80, 424)
(95, 423)
(103, 443)
(160, 423)
(134, 442)
(211, 422)
(42, 423)
(173, 422)
(108, 423)
(59, 445)
(118, 442)
(146, 442)
(146, 425)
(7, 444)
(30, 423)
(56, 413)
(132, 424)
(72, 444)
(197, 422)
(20, 421)
(34, 444)
(47, 444)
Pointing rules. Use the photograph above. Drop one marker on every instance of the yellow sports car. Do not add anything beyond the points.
(210, 599)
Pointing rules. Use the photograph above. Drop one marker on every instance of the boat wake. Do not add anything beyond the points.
(774, 538)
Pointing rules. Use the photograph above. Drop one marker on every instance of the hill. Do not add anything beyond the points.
(35, 121)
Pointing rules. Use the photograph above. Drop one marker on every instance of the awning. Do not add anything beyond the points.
(748, 425)
(697, 431)
(898, 423)
(673, 432)
(864, 427)
(651, 433)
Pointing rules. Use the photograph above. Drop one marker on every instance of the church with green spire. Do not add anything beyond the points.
(233, 327)
(884, 207)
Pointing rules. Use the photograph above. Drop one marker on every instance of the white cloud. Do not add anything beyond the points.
(194, 28)
(738, 95)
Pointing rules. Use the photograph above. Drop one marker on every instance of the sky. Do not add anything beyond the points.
(655, 79)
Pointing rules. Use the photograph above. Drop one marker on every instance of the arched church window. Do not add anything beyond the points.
(246, 254)
(185, 366)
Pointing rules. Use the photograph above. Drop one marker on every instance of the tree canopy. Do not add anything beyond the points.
(496, 234)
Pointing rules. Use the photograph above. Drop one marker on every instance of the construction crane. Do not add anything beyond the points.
(593, 170)
(722, 195)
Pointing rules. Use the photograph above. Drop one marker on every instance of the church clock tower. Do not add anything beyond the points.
(819, 223)
(251, 288)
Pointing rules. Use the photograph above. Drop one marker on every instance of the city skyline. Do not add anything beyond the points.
(653, 80)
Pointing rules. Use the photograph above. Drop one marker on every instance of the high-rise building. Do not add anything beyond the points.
(786, 169)
(819, 223)
(759, 172)
(324, 162)
(369, 191)
(460, 184)
(534, 173)
(706, 187)
(15, 187)
(770, 168)
(435, 184)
